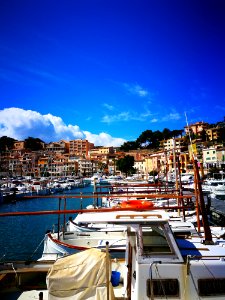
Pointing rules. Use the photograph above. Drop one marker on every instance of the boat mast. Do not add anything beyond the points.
(200, 204)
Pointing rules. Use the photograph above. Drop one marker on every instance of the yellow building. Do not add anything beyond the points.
(19, 145)
(101, 150)
(171, 144)
(213, 133)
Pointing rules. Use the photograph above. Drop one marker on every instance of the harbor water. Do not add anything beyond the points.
(21, 237)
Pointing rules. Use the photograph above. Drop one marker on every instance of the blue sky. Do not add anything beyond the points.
(109, 70)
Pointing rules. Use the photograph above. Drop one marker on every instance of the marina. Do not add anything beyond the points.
(151, 226)
(29, 230)
(112, 150)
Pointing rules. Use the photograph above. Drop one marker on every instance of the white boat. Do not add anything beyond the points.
(162, 261)
(82, 224)
(219, 195)
(81, 233)
(209, 185)
(187, 178)
(216, 188)
(70, 242)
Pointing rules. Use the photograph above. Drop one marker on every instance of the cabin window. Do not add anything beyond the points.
(211, 287)
(154, 241)
(163, 288)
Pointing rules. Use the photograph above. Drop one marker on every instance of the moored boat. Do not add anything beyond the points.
(165, 257)
(71, 242)
(162, 260)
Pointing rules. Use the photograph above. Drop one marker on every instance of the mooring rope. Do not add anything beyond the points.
(36, 248)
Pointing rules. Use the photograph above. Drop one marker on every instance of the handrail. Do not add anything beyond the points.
(72, 211)
(95, 195)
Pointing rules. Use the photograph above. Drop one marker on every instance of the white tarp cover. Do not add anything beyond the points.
(79, 276)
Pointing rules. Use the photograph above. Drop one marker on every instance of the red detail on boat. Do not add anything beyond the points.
(65, 244)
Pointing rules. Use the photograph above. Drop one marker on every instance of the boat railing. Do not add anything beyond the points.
(184, 203)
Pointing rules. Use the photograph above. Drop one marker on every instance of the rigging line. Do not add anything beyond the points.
(116, 241)
(36, 248)
(151, 278)
(2, 257)
(16, 275)
(207, 268)
(14, 270)
(157, 271)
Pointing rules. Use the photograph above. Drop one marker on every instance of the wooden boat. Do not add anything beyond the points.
(57, 245)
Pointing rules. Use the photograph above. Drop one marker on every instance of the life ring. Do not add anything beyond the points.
(136, 204)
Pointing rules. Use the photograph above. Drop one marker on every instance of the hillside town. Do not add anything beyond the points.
(81, 157)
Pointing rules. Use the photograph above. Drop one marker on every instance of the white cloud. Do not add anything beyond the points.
(126, 116)
(103, 139)
(171, 116)
(136, 89)
(19, 124)
(154, 120)
(108, 106)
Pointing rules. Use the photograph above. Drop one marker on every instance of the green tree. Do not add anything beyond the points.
(203, 135)
(157, 137)
(34, 144)
(223, 134)
(176, 133)
(166, 134)
(6, 143)
(153, 173)
(145, 138)
(149, 139)
(126, 165)
(130, 145)
(102, 166)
